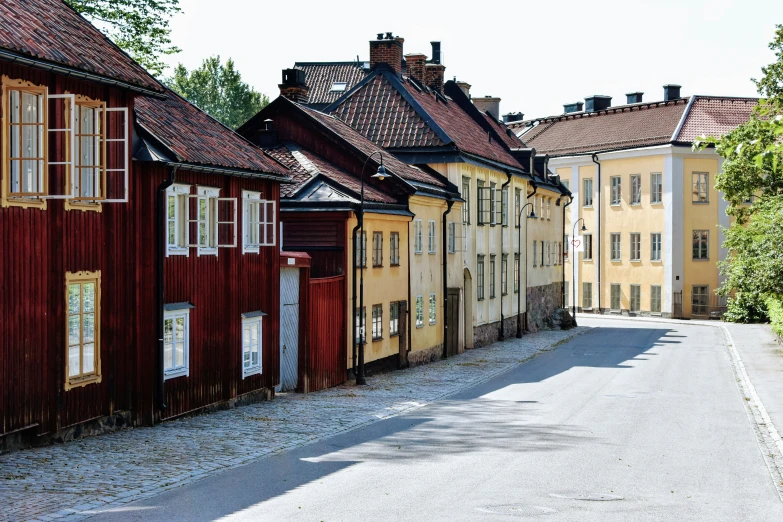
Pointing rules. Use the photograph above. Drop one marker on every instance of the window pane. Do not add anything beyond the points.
(89, 358)
(180, 329)
(168, 356)
(172, 233)
(73, 361)
(74, 298)
(89, 297)
(30, 107)
(74, 329)
(89, 328)
(15, 100)
(179, 354)
(168, 330)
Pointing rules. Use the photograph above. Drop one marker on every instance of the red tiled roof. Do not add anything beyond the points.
(714, 116)
(356, 139)
(195, 137)
(301, 174)
(50, 30)
(320, 76)
(506, 134)
(381, 112)
(621, 127)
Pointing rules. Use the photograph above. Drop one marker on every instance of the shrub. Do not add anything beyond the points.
(775, 309)
(745, 307)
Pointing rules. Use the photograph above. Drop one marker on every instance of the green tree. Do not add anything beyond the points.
(753, 168)
(219, 91)
(139, 27)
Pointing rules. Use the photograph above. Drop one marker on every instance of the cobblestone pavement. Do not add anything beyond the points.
(76, 480)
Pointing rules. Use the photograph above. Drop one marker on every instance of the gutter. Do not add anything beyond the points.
(502, 187)
(444, 235)
(67, 71)
(160, 255)
(598, 232)
(360, 217)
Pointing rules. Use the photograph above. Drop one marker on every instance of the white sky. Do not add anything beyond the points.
(535, 56)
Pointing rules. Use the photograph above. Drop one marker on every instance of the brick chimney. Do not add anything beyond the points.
(416, 63)
(434, 74)
(387, 49)
(294, 87)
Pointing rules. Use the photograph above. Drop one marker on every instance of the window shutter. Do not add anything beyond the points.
(268, 222)
(62, 137)
(117, 153)
(227, 227)
(191, 225)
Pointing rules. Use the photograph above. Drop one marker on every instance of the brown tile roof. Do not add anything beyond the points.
(51, 31)
(320, 76)
(305, 165)
(399, 113)
(506, 134)
(405, 171)
(714, 116)
(621, 127)
(197, 138)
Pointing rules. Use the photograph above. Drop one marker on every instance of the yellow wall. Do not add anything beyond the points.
(382, 285)
(587, 267)
(699, 216)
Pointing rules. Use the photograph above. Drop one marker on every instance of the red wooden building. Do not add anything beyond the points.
(69, 233)
(216, 201)
(122, 293)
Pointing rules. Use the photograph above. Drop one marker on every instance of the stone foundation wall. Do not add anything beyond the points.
(425, 356)
(489, 333)
(542, 301)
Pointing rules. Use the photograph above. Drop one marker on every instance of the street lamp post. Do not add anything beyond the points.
(380, 175)
(519, 294)
(574, 261)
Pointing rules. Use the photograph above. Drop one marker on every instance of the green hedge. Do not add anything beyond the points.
(775, 310)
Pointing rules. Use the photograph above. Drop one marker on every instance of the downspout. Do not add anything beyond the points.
(598, 226)
(562, 264)
(160, 256)
(353, 287)
(503, 186)
(519, 297)
(444, 234)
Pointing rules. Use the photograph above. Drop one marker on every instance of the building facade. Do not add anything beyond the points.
(647, 199)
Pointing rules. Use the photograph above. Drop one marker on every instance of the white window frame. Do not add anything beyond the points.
(419, 311)
(266, 229)
(587, 254)
(699, 186)
(656, 188)
(68, 160)
(655, 246)
(212, 221)
(655, 300)
(588, 192)
(452, 238)
(703, 243)
(433, 309)
(394, 249)
(184, 369)
(587, 296)
(615, 297)
(252, 369)
(636, 246)
(635, 302)
(394, 318)
(636, 189)
(417, 240)
(466, 204)
(181, 193)
(616, 190)
(615, 255)
(125, 170)
(432, 240)
(504, 207)
(377, 322)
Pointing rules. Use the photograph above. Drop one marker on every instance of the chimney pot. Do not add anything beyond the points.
(597, 102)
(388, 51)
(512, 117)
(488, 104)
(671, 91)
(634, 97)
(435, 52)
(415, 65)
(573, 107)
(380, 36)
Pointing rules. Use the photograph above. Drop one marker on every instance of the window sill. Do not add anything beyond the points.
(637, 261)
(656, 261)
(616, 260)
(419, 326)
(78, 382)
(656, 203)
(24, 202)
(177, 252)
(377, 266)
(251, 250)
(587, 206)
(250, 372)
(587, 259)
(173, 374)
(636, 204)
(479, 299)
(433, 324)
(391, 336)
(84, 207)
(394, 264)
(376, 339)
(615, 204)
(207, 252)
(418, 253)
(432, 253)
(701, 259)
(700, 202)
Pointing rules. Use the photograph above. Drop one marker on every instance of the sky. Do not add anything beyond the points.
(534, 56)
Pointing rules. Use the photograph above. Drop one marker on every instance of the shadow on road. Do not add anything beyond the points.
(464, 423)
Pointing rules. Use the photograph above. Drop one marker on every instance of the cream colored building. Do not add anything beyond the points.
(648, 201)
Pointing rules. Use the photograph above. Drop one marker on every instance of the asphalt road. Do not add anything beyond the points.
(631, 421)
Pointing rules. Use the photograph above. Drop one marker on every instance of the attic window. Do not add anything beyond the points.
(339, 86)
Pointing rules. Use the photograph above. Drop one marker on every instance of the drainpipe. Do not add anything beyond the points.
(519, 296)
(160, 256)
(444, 235)
(353, 286)
(598, 226)
(562, 264)
(503, 186)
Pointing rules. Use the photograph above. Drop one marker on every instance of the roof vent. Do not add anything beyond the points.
(511, 117)
(634, 97)
(671, 91)
(573, 107)
(597, 102)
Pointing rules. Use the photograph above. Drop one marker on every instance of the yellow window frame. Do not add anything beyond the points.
(83, 379)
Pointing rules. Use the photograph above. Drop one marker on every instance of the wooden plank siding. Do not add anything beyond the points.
(326, 330)
(38, 248)
(319, 234)
(221, 288)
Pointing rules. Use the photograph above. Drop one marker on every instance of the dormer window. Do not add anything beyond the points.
(339, 86)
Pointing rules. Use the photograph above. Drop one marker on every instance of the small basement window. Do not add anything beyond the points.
(339, 86)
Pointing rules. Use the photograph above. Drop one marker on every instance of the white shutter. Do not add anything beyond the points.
(112, 150)
(68, 156)
(189, 222)
(268, 225)
(231, 223)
